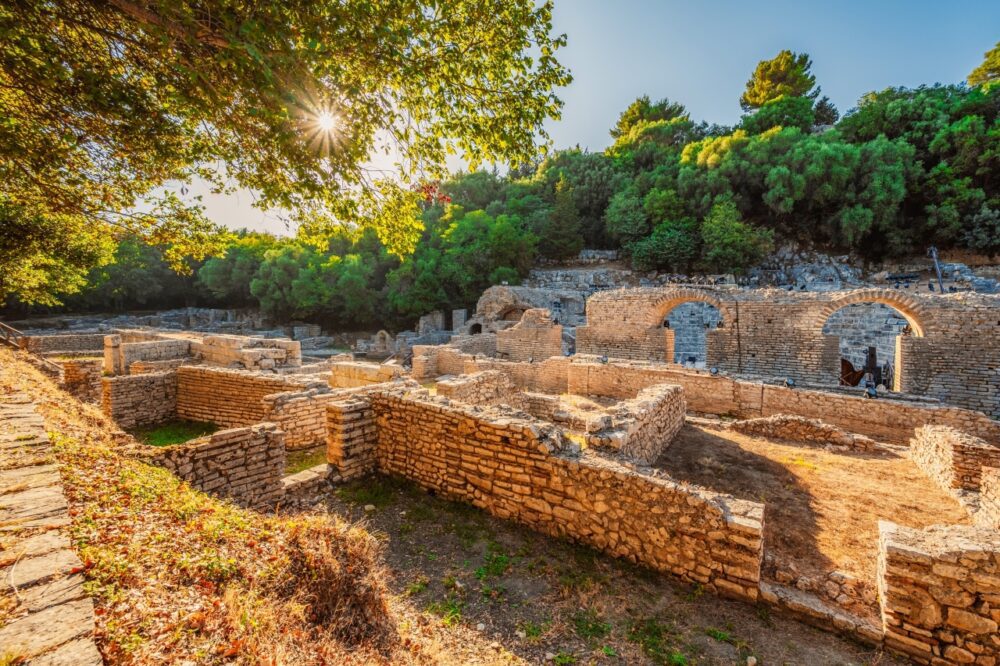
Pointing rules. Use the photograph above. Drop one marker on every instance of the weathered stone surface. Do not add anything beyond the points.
(33, 570)
(45, 630)
(79, 652)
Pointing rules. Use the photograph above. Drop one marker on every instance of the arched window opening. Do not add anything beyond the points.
(867, 333)
(691, 322)
(476, 329)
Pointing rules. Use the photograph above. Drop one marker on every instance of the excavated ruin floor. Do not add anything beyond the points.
(549, 601)
(822, 507)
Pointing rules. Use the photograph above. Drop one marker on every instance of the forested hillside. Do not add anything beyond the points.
(905, 169)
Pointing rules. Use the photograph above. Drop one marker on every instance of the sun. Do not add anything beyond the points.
(326, 121)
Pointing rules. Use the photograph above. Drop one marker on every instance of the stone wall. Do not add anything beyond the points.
(691, 322)
(157, 350)
(349, 374)
(242, 464)
(44, 344)
(953, 459)
(142, 367)
(351, 437)
(799, 429)
(251, 353)
(231, 398)
(535, 337)
(989, 498)
(939, 590)
(490, 387)
(140, 400)
(864, 325)
(82, 378)
(641, 429)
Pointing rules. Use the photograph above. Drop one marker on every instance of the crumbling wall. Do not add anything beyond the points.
(46, 344)
(140, 400)
(800, 429)
(251, 353)
(301, 415)
(490, 387)
(157, 350)
(349, 374)
(989, 498)
(228, 397)
(534, 337)
(142, 367)
(81, 378)
(521, 469)
(953, 459)
(242, 464)
(641, 429)
(939, 592)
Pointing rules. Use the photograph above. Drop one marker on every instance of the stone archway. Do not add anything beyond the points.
(687, 335)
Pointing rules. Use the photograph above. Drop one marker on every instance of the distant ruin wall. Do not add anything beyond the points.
(349, 374)
(43, 344)
(250, 353)
(243, 464)
(989, 499)
(952, 458)
(158, 350)
(939, 592)
(142, 367)
(518, 469)
(489, 387)
(81, 378)
(227, 397)
(140, 400)
(535, 337)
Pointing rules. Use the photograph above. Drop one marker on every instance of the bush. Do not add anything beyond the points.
(731, 245)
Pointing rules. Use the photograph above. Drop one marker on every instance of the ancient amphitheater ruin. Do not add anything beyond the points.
(574, 417)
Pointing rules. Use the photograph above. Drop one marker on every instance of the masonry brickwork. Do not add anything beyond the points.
(486, 388)
(522, 469)
(142, 367)
(250, 353)
(939, 590)
(242, 464)
(81, 378)
(641, 429)
(349, 374)
(953, 459)
(140, 400)
(800, 429)
(989, 498)
(229, 397)
(46, 344)
(534, 337)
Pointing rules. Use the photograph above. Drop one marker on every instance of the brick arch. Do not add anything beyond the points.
(674, 297)
(912, 310)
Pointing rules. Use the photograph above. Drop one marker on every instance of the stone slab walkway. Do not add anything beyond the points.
(46, 618)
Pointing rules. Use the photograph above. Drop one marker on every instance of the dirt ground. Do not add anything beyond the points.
(477, 579)
(822, 508)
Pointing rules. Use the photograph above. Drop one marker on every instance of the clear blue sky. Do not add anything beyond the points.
(701, 52)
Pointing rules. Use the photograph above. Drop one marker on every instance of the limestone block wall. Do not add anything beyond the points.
(351, 437)
(349, 374)
(548, 376)
(800, 429)
(301, 415)
(989, 498)
(140, 400)
(82, 378)
(44, 344)
(156, 350)
(251, 353)
(522, 469)
(534, 337)
(864, 325)
(489, 387)
(142, 367)
(939, 590)
(641, 429)
(627, 342)
(953, 459)
(242, 464)
(484, 344)
(228, 397)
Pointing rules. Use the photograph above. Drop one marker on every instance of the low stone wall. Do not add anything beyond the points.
(641, 429)
(535, 337)
(301, 415)
(939, 590)
(81, 378)
(43, 344)
(989, 499)
(800, 429)
(490, 387)
(157, 350)
(351, 374)
(251, 353)
(242, 464)
(483, 344)
(143, 367)
(140, 400)
(953, 459)
(522, 469)
(231, 397)
(351, 437)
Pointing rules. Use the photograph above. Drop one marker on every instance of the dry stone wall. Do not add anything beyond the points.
(641, 429)
(242, 464)
(349, 374)
(989, 498)
(251, 353)
(142, 367)
(46, 344)
(351, 437)
(522, 469)
(939, 590)
(799, 429)
(953, 459)
(490, 387)
(140, 400)
(231, 398)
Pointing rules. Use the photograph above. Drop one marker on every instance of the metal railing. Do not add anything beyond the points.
(14, 338)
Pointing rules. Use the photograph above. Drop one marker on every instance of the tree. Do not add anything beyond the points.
(642, 110)
(781, 112)
(625, 218)
(228, 278)
(673, 245)
(988, 73)
(732, 246)
(787, 74)
(561, 238)
(825, 111)
(105, 102)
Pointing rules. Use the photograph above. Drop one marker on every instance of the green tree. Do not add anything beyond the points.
(106, 102)
(731, 245)
(625, 217)
(825, 111)
(787, 74)
(781, 112)
(561, 238)
(988, 73)
(672, 246)
(227, 278)
(643, 110)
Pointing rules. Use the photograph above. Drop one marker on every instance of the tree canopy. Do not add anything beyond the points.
(988, 73)
(105, 103)
(786, 74)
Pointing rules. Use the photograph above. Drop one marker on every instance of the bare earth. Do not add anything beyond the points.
(822, 508)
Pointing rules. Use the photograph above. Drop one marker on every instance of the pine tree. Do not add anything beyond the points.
(561, 238)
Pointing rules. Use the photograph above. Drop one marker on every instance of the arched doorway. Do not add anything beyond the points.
(476, 329)
(869, 327)
(690, 322)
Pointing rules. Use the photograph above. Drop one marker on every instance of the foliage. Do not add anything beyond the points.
(785, 75)
(561, 238)
(781, 112)
(672, 246)
(227, 278)
(105, 103)
(732, 246)
(642, 110)
(988, 73)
